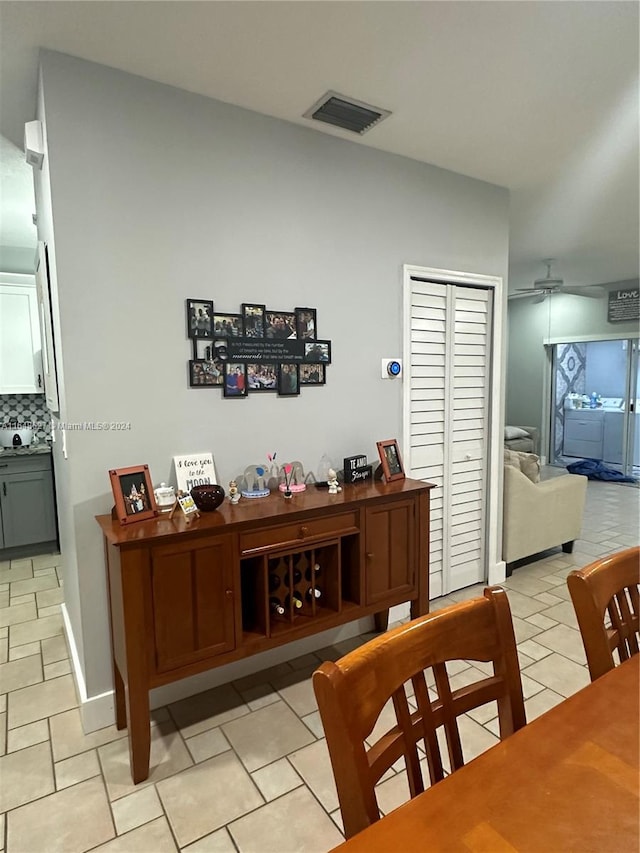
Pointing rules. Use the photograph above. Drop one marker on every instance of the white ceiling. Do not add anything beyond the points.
(540, 97)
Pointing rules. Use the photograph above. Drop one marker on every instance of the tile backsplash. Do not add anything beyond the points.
(28, 409)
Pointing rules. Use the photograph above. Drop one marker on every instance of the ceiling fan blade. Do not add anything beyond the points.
(535, 295)
(588, 291)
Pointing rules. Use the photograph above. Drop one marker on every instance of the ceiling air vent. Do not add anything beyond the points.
(347, 113)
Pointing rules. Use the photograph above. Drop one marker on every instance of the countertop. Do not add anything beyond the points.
(32, 450)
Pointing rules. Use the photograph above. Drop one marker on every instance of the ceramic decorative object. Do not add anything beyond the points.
(165, 497)
(332, 482)
(207, 497)
(255, 478)
(234, 494)
(292, 478)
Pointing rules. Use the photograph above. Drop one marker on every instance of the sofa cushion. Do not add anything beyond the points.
(511, 432)
(527, 463)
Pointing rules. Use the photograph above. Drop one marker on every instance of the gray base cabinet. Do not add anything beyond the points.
(27, 504)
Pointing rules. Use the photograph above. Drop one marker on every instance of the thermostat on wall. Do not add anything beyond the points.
(391, 368)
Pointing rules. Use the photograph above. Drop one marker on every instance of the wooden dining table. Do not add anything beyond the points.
(567, 781)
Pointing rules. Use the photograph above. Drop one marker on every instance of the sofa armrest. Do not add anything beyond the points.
(541, 515)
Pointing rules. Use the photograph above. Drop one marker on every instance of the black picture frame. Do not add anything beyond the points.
(288, 380)
(235, 379)
(199, 318)
(206, 373)
(261, 377)
(280, 325)
(313, 374)
(307, 324)
(253, 320)
(227, 326)
(317, 352)
(390, 459)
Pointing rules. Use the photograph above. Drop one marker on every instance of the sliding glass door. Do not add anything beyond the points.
(594, 407)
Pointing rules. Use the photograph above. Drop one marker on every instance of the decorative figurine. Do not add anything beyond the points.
(255, 482)
(332, 482)
(234, 494)
(288, 472)
(292, 478)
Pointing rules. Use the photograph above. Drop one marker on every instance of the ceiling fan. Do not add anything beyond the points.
(543, 287)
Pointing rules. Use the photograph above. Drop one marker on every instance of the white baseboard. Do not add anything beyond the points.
(497, 573)
(98, 712)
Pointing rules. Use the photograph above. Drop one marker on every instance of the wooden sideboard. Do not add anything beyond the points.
(187, 597)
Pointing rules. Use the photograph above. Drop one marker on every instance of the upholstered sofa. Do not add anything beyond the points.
(538, 515)
(521, 438)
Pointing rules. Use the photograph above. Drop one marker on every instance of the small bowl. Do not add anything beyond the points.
(207, 497)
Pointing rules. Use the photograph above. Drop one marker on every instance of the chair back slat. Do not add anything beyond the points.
(608, 587)
(429, 726)
(353, 691)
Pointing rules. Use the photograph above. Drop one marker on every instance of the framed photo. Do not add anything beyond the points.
(306, 324)
(262, 377)
(288, 380)
(199, 318)
(235, 379)
(312, 374)
(390, 459)
(318, 352)
(206, 374)
(227, 325)
(280, 325)
(253, 319)
(133, 493)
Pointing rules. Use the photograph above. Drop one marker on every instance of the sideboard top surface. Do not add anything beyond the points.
(274, 509)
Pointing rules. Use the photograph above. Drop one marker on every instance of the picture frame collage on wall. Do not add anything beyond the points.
(258, 350)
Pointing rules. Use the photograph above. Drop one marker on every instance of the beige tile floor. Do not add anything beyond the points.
(244, 766)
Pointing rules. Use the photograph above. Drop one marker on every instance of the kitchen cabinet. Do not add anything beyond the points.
(186, 597)
(20, 348)
(27, 505)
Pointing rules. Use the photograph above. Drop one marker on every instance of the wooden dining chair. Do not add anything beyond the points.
(605, 598)
(353, 691)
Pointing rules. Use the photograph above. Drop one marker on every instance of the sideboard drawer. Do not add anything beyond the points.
(288, 534)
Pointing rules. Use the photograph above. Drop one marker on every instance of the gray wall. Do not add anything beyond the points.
(159, 195)
(561, 317)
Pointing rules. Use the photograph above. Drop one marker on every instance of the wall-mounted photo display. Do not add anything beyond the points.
(280, 325)
(318, 351)
(206, 374)
(312, 374)
(262, 377)
(235, 379)
(253, 320)
(256, 350)
(288, 380)
(227, 325)
(306, 324)
(199, 318)
(133, 493)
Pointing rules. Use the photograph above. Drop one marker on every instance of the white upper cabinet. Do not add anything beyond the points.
(20, 347)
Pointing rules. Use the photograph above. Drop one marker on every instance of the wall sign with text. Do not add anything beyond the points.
(624, 305)
(255, 351)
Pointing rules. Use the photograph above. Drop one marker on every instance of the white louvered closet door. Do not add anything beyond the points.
(449, 386)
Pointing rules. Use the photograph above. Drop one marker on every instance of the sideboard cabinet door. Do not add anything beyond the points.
(389, 550)
(193, 601)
